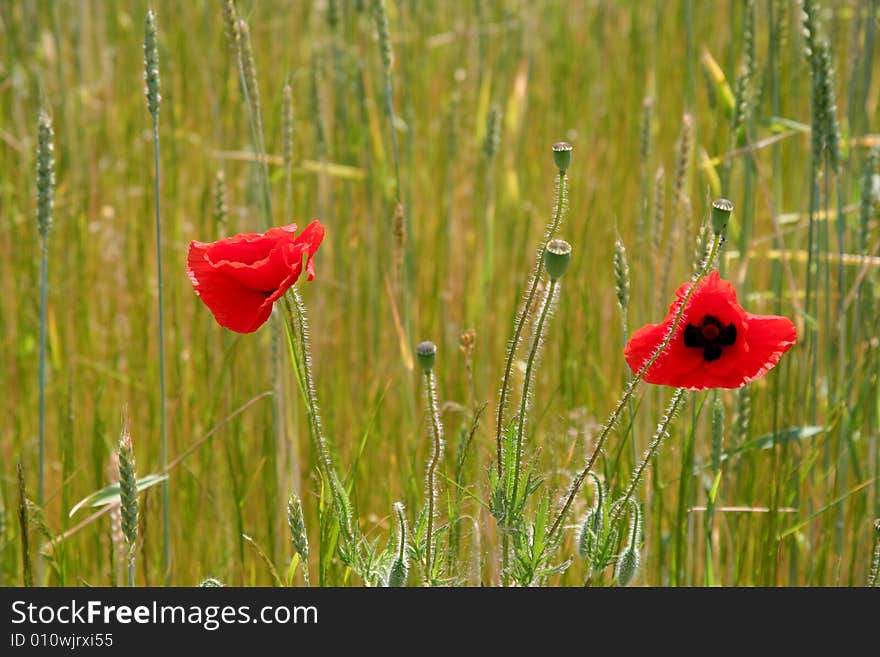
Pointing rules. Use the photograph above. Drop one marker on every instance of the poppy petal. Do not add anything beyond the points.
(642, 344)
(677, 366)
(311, 239)
(240, 277)
(264, 275)
(740, 348)
(246, 248)
(307, 243)
(233, 305)
(769, 336)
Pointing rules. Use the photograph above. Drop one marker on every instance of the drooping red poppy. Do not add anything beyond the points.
(717, 344)
(239, 278)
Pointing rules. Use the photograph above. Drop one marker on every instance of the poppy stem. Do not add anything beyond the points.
(561, 206)
(523, 411)
(437, 438)
(874, 575)
(631, 388)
(660, 435)
(537, 340)
(297, 328)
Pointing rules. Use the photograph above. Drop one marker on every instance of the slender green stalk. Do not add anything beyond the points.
(151, 75)
(287, 150)
(287, 146)
(631, 388)
(522, 316)
(711, 494)
(866, 210)
(251, 91)
(45, 201)
(4, 531)
(811, 38)
(221, 206)
(682, 520)
(691, 58)
(384, 32)
(644, 228)
(401, 222)
(490, 150)
(317, 113)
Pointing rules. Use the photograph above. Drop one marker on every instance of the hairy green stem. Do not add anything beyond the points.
(653, 448)
(530, 366)
(521, 420)
(630, 389)
(436, 437)
(297, 329)
(561, 193)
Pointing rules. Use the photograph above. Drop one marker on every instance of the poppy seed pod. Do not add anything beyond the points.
(721, 210)
(562, 155)
(556, 258)
(426, 353)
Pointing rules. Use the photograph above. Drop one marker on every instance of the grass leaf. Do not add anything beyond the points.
(110, 494)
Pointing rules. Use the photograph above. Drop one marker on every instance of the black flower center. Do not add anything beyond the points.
(710, 336)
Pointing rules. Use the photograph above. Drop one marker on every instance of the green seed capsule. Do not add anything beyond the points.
(426, 353)
(721, 210)
(556, 258)
(562, 155)
(211, 582)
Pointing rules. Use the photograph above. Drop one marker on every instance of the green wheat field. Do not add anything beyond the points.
(144, 444)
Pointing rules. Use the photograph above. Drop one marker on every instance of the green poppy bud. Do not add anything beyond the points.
(588, 537)
(398, 574)
(627, 566)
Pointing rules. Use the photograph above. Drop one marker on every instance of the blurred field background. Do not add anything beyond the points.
(798, 490)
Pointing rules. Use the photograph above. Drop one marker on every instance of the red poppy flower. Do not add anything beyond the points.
(239, 278)
(717, 344)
